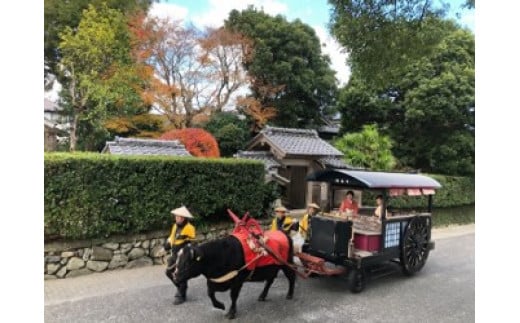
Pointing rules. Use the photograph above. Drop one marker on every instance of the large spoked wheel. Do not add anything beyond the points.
(357, 280)
(414, 249)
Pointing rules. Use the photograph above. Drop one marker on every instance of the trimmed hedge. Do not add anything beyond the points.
(90, 195)
(455, 191)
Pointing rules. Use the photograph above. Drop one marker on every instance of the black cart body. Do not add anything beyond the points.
(403, 237)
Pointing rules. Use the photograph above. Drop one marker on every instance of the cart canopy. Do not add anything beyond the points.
(368, 179)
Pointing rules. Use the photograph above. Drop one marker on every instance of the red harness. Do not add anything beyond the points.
(277, 241)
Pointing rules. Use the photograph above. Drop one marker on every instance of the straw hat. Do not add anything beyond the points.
(280, 209)
(182, 211)
(314, 205)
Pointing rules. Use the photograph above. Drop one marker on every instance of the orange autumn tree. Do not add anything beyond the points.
(258, 107)
(198, 142)
(188, 71)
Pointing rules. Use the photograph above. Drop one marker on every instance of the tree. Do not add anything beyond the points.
(188, 71)
(197, 141)
(429, 112)
(367, 149)
(230, 131)
(223, 54)
(382, 37)
(439, 108)
(360, 105)
(145, 125)
(62, 14)
(288, 55)
(98, 74)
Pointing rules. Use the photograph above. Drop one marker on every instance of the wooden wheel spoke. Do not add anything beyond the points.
(414, 249)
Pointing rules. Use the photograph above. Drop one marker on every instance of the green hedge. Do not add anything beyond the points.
(91, 195)
(455, 191)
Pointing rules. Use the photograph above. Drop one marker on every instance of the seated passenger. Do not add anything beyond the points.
(349, 205)
(281, 221)
(312, 209)
(379, 209)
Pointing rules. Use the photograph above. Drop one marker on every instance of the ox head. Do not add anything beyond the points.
(245, 224)
(188, 263)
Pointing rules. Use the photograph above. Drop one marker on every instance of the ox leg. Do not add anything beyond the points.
(267, 285)
(214, 301)
(291, 276)
(180, 296)
(169, 268)
(235, 291)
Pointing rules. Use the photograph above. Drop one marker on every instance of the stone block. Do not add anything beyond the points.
(50, 259)
(118, 261)
(61, 273)
(111, 245)
(97, 265)
(136, 253)
(141, 262)
(158, 251)
(100, 253)
(67, 254)
(125, 247)
(146, 244)
(75, 263)
(52, 268)
(78, 272)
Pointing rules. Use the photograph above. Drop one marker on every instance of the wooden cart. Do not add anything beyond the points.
(341, 245)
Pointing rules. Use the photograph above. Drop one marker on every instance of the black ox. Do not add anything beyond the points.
(217, 258)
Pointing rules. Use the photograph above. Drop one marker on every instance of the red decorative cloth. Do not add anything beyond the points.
(276, 240)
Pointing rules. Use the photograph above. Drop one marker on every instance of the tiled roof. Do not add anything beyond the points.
(329, 129)
(335, 162)
(264, 156)
(299, 142)
(133, 146)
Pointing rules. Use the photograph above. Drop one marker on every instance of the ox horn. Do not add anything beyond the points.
(233, 216)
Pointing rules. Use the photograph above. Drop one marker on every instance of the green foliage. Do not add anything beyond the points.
(93, 195)
(62, 14)
(367, 149)
(145, 125)
(99, 78)
(429, 112)
(230, 131)
(287, 54)
(455, 191)
(382, 37)
(457, 215)
(271, 191)
(360, 105)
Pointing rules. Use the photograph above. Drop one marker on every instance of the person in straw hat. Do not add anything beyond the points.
(182, 233)
(312, 209)
(281, 221)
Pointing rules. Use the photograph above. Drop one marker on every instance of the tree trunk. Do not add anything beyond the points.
(73, 136)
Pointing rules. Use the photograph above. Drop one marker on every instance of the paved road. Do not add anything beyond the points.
(444, 291)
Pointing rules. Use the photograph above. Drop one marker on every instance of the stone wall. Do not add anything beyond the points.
(75, 258)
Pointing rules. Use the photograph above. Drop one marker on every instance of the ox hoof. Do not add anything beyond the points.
(289, 297)
(261, 298)
(230, 315)
(219, 305)
(179, 300)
